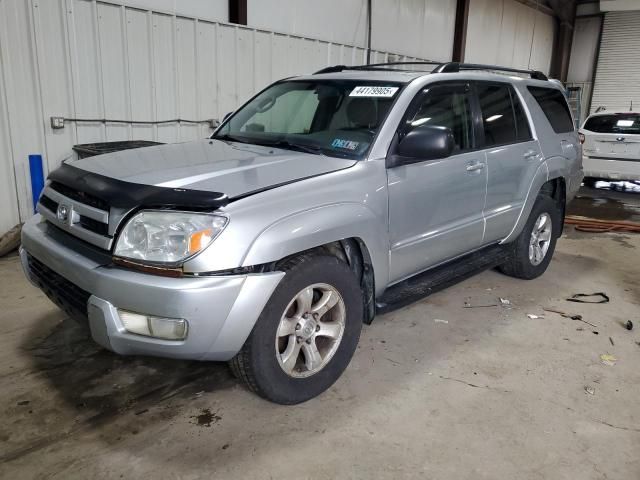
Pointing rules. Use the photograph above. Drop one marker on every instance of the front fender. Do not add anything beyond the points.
(318, 226)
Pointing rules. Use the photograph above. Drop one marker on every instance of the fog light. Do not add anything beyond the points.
(150, 326)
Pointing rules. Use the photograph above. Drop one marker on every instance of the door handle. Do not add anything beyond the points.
(475, 166)
(531, 155)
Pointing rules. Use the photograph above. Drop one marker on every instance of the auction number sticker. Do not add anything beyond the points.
(373, 92)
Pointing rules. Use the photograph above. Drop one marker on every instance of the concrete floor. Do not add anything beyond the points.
(492, 394)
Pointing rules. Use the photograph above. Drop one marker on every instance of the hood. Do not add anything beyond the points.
(211, 166)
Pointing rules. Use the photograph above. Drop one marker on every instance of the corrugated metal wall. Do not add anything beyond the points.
(506, 32)
(102, 59)
(422, 28)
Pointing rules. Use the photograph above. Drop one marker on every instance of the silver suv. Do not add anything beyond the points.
(324, 199)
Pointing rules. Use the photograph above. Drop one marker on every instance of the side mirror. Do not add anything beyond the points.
(423, 143)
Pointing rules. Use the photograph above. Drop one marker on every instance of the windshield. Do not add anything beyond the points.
(332, 117)
(628, 123)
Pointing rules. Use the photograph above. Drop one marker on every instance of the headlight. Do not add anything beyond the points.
(167, 237)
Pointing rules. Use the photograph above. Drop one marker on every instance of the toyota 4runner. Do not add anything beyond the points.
(310, 208)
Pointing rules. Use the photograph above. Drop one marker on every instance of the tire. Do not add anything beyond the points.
(520, 263)
(262, 361)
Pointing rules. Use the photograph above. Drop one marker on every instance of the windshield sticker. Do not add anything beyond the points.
(386, 92)
(346, 144)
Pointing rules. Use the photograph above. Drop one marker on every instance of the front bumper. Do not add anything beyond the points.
(611, 169)
(221, 310)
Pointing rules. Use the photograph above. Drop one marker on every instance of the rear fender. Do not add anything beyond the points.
(540, 178)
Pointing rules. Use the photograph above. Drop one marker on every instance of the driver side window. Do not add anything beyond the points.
(449, 107)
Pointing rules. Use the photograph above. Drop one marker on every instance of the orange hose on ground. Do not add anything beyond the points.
(593, 225)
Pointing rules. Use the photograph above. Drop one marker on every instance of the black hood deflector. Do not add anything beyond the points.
(128, 195)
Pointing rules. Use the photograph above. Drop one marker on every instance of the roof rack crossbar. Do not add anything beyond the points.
(454, 67)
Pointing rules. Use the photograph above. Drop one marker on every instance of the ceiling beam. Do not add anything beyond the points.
(565, 10)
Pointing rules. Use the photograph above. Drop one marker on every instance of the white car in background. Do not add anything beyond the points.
(611, 147)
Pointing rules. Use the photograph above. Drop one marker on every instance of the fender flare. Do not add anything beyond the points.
(312, 228)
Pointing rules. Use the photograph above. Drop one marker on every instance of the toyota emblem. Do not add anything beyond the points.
(63, 213)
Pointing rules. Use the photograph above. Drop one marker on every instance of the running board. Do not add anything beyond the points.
(438, 278)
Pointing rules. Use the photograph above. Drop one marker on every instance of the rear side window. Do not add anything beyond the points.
(616, 123)
(503, 118)
(554, 106)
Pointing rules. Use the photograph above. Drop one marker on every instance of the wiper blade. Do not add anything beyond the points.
(229, 138)
(293, 146)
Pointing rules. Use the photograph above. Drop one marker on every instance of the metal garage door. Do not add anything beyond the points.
(618, 74)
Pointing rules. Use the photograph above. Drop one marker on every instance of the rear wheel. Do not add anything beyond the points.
(306, 334)
(531, 252)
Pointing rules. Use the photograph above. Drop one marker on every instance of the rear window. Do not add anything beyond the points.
(554, 106)
(614, 123)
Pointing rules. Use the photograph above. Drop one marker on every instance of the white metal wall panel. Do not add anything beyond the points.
(140, 68)
(112, 41)
(8, 196)
(509, 33)
(207, 98)
(617, 81)
(56, 81)
(339, 21)
(22, 96)
(212, 10)
(420, 28)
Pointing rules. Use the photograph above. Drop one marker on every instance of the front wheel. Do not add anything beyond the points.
(531, 252)
(306, 334)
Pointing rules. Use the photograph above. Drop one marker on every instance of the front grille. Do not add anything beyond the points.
(85, 222)
(67, 295)
(77, 213)
(49, 204)
(94, 225)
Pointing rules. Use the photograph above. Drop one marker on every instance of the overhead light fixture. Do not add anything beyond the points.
(420, 121)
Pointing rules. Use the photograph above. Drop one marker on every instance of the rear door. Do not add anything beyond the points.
(613, 136)
(513, 155)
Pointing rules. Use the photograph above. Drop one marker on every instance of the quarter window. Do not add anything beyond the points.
(450, 107)
(555, 108)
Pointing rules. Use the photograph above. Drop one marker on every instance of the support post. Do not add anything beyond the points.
(238, 11)
(460, 32)
(369, 31)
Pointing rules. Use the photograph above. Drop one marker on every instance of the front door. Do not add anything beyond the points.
(435, 206)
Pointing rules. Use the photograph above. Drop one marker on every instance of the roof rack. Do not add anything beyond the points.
(454, 67)
(442, 67)
(375, 66)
